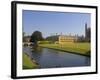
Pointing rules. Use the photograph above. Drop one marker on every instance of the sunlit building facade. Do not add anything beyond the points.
(63, 39)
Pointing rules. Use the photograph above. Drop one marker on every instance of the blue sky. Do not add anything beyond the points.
(50, 23)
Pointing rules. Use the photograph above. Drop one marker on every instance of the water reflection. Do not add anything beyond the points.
(36, 49)
(49, 58)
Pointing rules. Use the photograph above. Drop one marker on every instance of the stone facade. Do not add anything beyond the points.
(26, 39)
(63, 39)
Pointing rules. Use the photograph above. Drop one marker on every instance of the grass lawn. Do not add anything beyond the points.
(78, 48)
(28, 63)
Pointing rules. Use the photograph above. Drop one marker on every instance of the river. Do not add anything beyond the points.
(49, 58)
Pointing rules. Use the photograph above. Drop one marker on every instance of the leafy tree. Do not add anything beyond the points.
(36, 36)
(52, 38)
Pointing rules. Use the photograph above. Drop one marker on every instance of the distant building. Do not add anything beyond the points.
(63, 39)
(26, 39)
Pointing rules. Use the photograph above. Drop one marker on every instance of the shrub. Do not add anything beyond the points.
(44, 42)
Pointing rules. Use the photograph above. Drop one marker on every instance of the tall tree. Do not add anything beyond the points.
(36, 36)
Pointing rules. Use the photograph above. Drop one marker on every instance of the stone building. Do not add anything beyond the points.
(63, 39)
(26, 39)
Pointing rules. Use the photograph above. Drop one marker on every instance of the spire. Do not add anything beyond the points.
(85, 25)
(85, 30)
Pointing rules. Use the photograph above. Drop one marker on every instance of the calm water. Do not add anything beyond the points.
(49, 58)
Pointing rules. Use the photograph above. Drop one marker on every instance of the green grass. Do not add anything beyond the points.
(28, 63)
(78, 48)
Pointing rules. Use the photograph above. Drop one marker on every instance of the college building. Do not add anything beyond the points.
(63, 39)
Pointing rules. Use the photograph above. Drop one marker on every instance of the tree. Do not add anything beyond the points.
(36, 36)
(52, 38)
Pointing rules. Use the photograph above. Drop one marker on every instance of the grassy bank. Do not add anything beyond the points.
(28, 63)
(78, 48)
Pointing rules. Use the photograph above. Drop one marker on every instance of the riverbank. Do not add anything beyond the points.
(76, 48)
(28, 63)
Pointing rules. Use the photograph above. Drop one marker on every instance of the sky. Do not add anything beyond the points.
(52, 23)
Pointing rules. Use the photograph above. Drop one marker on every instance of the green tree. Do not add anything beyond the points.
(52, 38)
(36, 36)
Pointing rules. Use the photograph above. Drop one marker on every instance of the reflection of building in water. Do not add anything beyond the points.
(67, 39)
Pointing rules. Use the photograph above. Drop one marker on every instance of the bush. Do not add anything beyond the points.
(56, 42)
(44, 42)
